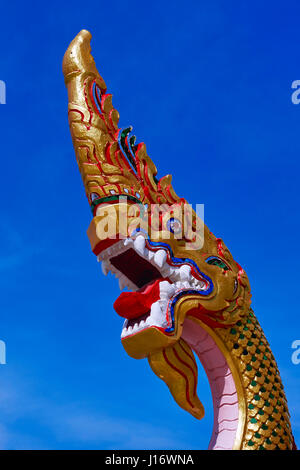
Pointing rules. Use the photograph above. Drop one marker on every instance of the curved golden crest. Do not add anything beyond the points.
(109, 160)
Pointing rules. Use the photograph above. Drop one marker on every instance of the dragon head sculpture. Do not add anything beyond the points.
(171, 269)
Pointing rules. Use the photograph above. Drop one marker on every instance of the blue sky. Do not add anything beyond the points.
(207, 86)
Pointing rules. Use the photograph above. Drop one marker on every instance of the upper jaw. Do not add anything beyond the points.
(143, 265)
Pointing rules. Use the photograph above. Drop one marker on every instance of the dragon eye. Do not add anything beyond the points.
(217, 262)
(174, 225)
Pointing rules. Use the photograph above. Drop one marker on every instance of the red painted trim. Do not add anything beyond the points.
(183, 375)
(189, 367)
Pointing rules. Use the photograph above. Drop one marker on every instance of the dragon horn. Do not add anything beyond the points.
(109, 161)
(78, 62)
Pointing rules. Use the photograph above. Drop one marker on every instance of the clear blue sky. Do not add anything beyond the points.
(207, 86)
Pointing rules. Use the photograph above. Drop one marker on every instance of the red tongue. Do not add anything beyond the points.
(134, 304)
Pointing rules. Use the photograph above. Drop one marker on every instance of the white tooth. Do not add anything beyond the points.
(105, 268)
(185, 272)
(139, 244)
(129, 330)
(142, 324)
(135, 327)
(163, 302)
(172, 277)
(156, 323)
(122, 283)
(160, 258)
(124, 332)
(166, 289)
(156, 314)
(150, 255)
(175, 274)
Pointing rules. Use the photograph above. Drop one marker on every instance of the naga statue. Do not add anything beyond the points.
(182, 292)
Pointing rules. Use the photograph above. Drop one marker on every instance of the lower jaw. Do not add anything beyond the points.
(153, 338)
(143, 343)
(146, 308)
(140, 345)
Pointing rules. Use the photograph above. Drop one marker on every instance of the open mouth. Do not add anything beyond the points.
(154, 279)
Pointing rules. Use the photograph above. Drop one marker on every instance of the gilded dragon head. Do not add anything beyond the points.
(169, 265)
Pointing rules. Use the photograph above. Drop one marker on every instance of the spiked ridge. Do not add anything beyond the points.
(110, 162)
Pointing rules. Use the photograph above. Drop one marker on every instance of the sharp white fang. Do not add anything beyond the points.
(166, 290)
(139, 244)
(186, 285)
(156, 315)
(185, 272)
(160, 258)
(122, 283)
(105, 268)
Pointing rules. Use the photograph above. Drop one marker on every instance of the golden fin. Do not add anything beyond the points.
(177, 367)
